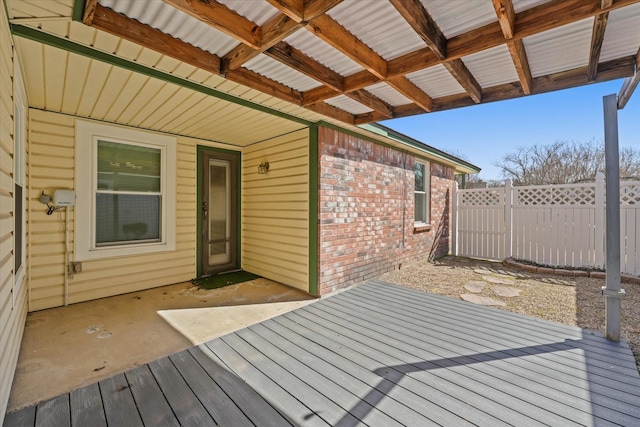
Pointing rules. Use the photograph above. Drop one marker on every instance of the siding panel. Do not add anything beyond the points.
(13, 308)
(53, 139)
(275, 225)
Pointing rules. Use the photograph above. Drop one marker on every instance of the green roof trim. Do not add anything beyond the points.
(407, 140)
(78, 10)
(77, 48)
(313, 210)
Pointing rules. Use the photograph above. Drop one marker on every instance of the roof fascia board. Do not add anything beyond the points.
(413, 148)
(70, 46)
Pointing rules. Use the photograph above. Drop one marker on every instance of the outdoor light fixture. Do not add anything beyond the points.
(263, 168)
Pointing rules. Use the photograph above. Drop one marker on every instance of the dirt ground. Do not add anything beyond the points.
(570, 300)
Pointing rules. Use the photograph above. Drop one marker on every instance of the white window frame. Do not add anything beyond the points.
(20, 116)
(426, 180)
(87, 135)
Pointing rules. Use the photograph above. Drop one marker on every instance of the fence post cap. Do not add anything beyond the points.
(599, 176)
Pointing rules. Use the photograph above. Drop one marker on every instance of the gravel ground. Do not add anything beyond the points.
(570, 300)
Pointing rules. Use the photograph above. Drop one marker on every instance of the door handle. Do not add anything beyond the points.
(204, 209)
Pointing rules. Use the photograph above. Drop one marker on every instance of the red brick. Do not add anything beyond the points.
(367, 212)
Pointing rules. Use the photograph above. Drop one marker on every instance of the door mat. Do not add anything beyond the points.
(224, 279)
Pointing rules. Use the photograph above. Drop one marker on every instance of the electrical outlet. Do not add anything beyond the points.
(75, 267)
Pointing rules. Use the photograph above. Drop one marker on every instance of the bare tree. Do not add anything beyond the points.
(563, 163)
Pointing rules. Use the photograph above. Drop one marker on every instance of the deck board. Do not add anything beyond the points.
(23, 417)
(119, 406)
(184, 403)
(378, 355)
(54, 412)
(152, 405)
(86, 407)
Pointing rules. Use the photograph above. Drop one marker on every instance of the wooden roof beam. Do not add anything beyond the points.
(372, 101)
(536, 20)
(294, 9)
(265, 85)
(222, 18)
(119, 25)
(297, 60)
(325, 28)
(462, 74)
(89, 11)
(520, 61)
(507, 19)
(292, 18)
(273, 32)
(416, 15)
(304, 10)
(597, 37)
(411, 91)
(333, 112)
(630, 84)
(529, 22)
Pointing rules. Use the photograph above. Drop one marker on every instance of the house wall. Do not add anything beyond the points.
(13, 308)
(52, 154)
(275, 209)
(367, 204)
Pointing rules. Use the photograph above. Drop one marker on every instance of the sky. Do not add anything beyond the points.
(484, 133)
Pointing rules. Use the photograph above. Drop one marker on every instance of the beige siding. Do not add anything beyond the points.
(275, 219)
(12, 315)
(52, 154)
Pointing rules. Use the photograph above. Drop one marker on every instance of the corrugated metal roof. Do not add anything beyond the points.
(520, 5)
(160, 15)
(258, 12)
(323, 52)
(560, 49)
(347, 104)
(279, 72)
(388, 94)
(379, 25)
(436, 81)
(459, 16)
(622, 36)
(492, 67)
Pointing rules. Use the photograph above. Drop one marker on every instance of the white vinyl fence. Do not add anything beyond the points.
(559, 225)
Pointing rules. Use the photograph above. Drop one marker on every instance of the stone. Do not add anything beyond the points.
(506, 291)
(475, 287)
(481, 271)
(499, 280)
(477, 299)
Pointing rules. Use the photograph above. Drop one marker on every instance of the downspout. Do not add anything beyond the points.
(66, 256)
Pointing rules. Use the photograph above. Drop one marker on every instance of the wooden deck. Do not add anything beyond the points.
(378, 354)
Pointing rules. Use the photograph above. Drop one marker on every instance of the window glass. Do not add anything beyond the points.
(126, 186)
(421, 192)
(124, 167)
(128, 197)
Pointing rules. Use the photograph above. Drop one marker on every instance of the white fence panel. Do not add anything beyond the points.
(559, 225)
(630, 227)
(481, 223)
(554, 225)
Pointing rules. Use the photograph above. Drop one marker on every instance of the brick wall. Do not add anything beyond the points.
(366, 206)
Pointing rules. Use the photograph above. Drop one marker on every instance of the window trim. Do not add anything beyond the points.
(426, 192)
(20, 115)
(87, 135)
